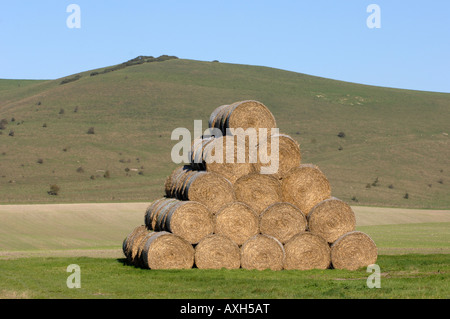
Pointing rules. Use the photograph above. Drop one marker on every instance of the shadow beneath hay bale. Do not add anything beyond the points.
(124, 261)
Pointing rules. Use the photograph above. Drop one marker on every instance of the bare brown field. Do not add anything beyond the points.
(369, 216)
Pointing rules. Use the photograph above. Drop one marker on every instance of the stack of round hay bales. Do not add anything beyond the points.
(223, 210)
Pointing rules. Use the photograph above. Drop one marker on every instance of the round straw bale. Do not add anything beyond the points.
(282, 221)
(128, 242)
(210, 189)
(132, 244)
(194, 147)
(305, 251)
(353, 250)
(262, 252)
(215, 116)
(258, 191)
(248, 114)
(216, 252)
(198, 153)
(170, 182)
(237, 221)
(223, 156)
(159, 219)
(181, 182)
(137, 260)
(305, 186)
(331, 219)
(222, 117)
(151, 215)
(171, 185)
(137, 241)
(190, 220)
(151, 209)
(288, 155)
(164, 250)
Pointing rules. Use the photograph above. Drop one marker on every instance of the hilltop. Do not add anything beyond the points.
(377, 146)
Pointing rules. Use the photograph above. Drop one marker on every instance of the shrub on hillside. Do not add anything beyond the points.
(3, 123)
(375, 182)
(70, 79)
(54, 190)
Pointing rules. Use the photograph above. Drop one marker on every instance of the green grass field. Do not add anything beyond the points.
(397, 136)
(406, 276)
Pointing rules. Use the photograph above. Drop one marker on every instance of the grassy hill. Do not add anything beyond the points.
(396, 141)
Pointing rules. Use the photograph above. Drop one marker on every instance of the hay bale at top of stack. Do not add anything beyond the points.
(262, 252)
(331, 219)
(305, 186)
(288, 157)
(165, 250)
(216, 252)
(216, 115)
(242, 114)
(307, 250)
(237, 221)
(188, 219)
(209, 188)
(353, 250)
(258, 191)
(282, 221)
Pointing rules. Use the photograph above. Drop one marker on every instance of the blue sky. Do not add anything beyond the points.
(329, 38)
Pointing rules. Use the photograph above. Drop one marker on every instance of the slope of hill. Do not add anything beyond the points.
(396, 142)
